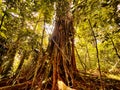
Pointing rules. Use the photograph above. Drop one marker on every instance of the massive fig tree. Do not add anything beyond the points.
(61, 45)
(60, 65)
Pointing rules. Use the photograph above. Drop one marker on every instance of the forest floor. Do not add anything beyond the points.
(87, 81)
(83, 81)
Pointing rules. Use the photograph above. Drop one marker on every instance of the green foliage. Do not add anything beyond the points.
(19, 26)
(3, 35)
(101, 14)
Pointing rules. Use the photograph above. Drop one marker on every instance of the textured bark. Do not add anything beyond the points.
(61, 46)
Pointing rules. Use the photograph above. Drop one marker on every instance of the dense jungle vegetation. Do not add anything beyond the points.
(59, 44)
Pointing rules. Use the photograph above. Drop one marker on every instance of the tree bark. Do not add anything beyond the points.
(61, 46)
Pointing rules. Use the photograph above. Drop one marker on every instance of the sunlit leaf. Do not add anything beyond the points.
(3, 35)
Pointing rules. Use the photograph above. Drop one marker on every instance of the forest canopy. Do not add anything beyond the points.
(45, 41)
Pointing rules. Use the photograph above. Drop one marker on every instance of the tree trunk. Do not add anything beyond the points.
(61, 46)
